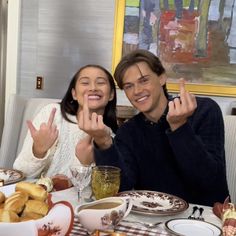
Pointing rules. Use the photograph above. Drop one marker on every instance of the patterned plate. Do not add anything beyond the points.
(155, 203)
(10, 176)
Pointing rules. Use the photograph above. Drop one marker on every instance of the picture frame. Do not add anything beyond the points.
(217, 76)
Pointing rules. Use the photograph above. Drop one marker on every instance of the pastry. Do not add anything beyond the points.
(35, 191)
(30, 216)
(2, 197)
(16, 202)
(36, 206)
(8, 216)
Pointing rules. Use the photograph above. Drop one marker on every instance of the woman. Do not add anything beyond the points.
(54, 141)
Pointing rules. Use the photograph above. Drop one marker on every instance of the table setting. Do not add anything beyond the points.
(95, 207)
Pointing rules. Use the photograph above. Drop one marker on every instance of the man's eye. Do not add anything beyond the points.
(127, 86)
(144, 80)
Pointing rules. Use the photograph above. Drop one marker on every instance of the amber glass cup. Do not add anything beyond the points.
(105, 181)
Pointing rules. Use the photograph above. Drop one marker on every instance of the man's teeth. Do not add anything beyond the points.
(142, 99)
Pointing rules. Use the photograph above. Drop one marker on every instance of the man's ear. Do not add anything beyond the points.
(163, 79)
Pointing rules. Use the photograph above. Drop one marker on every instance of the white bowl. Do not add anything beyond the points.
(105, 218)
(59, 220)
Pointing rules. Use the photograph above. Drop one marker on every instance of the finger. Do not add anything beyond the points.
(183, 92)
(86, 118)
(51, 117)
(81, 119)
(171, 107)
(94, 121)
(31, 127)
(100, 121)
(177, 104)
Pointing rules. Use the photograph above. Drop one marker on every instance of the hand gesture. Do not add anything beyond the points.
(181, 108)
(93, 125)
(84, 150)
(45, 137)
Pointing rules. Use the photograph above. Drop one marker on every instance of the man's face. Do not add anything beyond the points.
(143, 88)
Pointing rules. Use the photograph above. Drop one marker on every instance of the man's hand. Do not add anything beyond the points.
(93, 125)
(181, 108)
(45, 137)
(84, 150)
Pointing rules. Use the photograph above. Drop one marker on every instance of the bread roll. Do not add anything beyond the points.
(16, 202)
(30, 216)
(8, 216)
(2, 197)
(35, 191)
(36, 206)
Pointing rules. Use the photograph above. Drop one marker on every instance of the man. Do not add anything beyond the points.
(173, 145)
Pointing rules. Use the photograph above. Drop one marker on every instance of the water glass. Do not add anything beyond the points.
(105, 181)
(81, 178)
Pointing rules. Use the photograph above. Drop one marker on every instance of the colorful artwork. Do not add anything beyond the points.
(195, 39)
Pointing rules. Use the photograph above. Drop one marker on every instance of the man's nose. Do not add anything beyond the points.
(137, 88)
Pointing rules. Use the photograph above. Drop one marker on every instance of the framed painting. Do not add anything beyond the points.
(194, 39)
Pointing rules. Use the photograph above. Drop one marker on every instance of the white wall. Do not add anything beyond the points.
(53, 38)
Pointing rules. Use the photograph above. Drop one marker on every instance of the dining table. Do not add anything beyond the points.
(131, 229)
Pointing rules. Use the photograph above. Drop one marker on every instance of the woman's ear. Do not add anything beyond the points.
(73, 94)
(163, 79)
(111, 95)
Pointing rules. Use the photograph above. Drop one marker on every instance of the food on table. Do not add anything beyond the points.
(2, 197)
(227, 213)
(28, 202)
(8, 216)
(61, 182)
(35, 191)
(16, 201)
(45, 182)
(36, 206)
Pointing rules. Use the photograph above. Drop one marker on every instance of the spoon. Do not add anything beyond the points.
(145, 224)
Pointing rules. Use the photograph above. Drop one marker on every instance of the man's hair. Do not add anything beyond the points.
(135, 57)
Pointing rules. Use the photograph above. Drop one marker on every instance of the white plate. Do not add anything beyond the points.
(11, 176)
(187, 227)
(155, 203)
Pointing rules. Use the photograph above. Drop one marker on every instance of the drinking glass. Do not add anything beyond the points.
(105, 181)
(81, 177)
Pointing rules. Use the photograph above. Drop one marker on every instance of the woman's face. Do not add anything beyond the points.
(93, 82)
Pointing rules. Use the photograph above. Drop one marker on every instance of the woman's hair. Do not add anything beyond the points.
(135, 57)
(70, 106)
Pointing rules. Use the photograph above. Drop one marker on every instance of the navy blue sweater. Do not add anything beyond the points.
(189, 162)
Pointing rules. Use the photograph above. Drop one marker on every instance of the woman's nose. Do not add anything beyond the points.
(92, 86)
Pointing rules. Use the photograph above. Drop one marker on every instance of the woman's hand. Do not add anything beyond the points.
(44, 138)
(93, 125)
(84, 150)
(181, 108)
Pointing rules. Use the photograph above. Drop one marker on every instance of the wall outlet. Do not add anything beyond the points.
(39, 82)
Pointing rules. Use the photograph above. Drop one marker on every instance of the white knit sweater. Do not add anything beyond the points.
(60, 156)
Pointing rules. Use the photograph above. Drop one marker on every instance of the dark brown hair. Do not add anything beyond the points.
(70, 106)
(134, 57)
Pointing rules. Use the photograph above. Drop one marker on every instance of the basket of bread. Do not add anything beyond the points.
(30, 211)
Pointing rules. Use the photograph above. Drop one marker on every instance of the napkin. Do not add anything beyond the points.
(227, 213)
(79, 230)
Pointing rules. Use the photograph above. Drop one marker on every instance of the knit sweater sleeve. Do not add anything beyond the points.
(30, 165)
(198, 146)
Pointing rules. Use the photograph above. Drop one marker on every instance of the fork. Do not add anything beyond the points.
(145, 224)
(192, 216)
(200, 217)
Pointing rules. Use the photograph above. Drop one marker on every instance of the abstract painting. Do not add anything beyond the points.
(195, 40)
